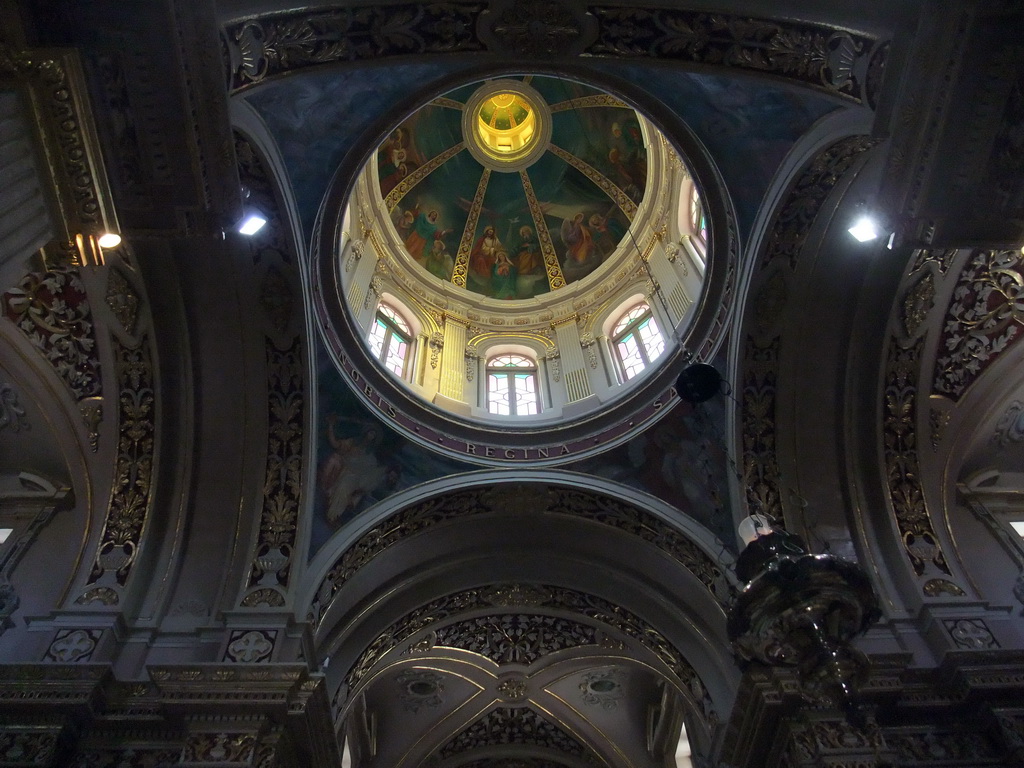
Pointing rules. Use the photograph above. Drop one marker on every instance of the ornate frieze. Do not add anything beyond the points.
(807, 194)
(122, 299)
(516, 638)
(52, 310)
(562, 501)
(809, 54)
(228, 748)
(902, 464)
(760, 465)
(836, 61)
(27, 746)
(282, 485)
(516, 725)
(58, 93)
(983, 320)
(130, 496)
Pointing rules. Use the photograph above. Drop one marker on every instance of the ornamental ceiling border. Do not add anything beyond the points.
(62, 117)
(839, 62)
(762, 345)
(535, 600)
(276, 280)
(558, 500)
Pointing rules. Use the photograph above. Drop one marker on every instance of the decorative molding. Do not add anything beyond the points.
(122, 299)
(515, 638)
(436, 344)
(59, 99)
(917, 303)
(205, 748)
(250, 646)
(282, 485)
(433, 617)
(970, 634)
(942, 258)
(266, 596)
(805, 197)
(937, 587)
(130, 496)
(73, 646)
(761, 473)
(902, 465)
(602, 689)
(420, 688)
(52, 310)
(832, 60)
(516, 725)
(601, 510)
(983, 320)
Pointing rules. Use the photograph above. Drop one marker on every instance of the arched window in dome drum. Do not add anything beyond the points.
(512, 386)
(698, 221)
(637, 340)
(389, 339)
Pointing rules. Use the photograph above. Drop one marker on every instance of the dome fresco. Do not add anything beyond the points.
(511, 188)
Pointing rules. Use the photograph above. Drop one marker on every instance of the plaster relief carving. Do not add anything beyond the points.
(73, 645)
(250, 646)
(130, 496)
(122, 299)
(12, 414)
(983, 319)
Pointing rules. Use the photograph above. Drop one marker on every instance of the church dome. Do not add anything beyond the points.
(523, 258)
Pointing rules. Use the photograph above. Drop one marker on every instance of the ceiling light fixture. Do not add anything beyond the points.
(109, 240)
(865, 228)
(251, 223)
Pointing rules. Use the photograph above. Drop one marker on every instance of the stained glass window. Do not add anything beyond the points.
(512, 386)
(389, 339)
(637, 340)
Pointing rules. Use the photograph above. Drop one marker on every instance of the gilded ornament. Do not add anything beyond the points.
(133, 473)
(936, 587)
(917, 303)
(516, 725)
(512, 688)
(984, 318)
(122, 300)
(900, 402)
(282, 485)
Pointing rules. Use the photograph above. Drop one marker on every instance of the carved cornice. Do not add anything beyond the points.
(58, 95)
(838, 62)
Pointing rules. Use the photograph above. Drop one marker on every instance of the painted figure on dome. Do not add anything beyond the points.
(503, 276)
(425, 230)
(579, 243)
(439, 262)
(484, 256)
(606, 231)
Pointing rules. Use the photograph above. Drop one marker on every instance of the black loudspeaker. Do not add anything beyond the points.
(698, 382)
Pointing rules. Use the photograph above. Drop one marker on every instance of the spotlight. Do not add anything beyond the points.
(109, 240)
(251, 223)
(864, 229)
